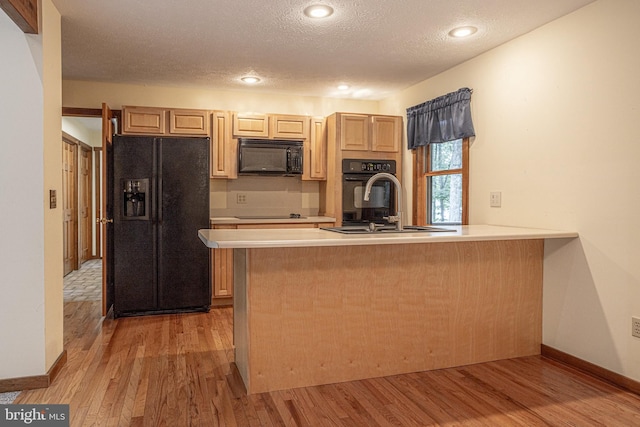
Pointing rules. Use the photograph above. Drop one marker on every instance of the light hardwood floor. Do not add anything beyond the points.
(176, 370)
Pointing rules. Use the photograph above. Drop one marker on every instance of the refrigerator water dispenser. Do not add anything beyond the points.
(136, 202)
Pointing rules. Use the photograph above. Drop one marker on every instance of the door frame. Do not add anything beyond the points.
(82, 193)
(70, 196)
(85, 199)
(100, 209)
(108, 130)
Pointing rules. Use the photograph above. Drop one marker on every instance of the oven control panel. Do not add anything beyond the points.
(368, 166)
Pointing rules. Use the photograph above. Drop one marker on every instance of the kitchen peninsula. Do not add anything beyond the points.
(316, 307)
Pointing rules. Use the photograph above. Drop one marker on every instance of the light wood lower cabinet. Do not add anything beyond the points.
(222, 260)
(222, 273)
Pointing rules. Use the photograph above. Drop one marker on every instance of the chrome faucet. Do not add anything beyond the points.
(397, 218)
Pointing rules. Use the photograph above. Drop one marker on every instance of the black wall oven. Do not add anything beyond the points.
(355, 174)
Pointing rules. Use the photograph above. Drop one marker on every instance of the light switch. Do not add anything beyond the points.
(495, 199)
(53, 200)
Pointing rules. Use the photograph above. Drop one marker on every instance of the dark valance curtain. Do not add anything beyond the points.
(442, 119)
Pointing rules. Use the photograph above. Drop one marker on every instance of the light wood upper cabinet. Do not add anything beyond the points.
(165, 121)
(386, 134)
(272, 126)
(315, 153)
(354, 132)
(287, 126)
(144, 120)
(250, 125)
(361, 132)
(223, 146)
(189, 122)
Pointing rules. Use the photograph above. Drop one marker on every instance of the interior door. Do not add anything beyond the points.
(84, 203)
(107, 209)
(69, 204)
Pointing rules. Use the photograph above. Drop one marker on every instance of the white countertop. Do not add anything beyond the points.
(305, 237)
(232, 220)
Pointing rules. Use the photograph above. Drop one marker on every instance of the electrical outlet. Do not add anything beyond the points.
(241, 198)
(495, 199)
(635, 327)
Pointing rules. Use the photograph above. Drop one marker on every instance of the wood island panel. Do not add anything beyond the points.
(317, 315)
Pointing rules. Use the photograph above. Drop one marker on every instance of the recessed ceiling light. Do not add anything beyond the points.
(318, 11)
(462, 31)
(250, 79)
(343, 87)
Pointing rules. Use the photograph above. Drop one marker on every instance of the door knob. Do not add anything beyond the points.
(103, 221)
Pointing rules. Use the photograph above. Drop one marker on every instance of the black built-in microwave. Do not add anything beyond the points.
(269, 157)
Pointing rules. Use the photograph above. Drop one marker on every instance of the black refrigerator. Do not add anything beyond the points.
(160, 201)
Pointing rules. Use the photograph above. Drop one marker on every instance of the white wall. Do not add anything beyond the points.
(77, 128)
(556, 114)
(21, 217)
(83, 94)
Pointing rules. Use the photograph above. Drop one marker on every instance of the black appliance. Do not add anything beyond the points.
(381, 203)
(160, 201)
(269, 157)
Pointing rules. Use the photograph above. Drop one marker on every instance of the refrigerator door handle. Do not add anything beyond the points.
(159, 201)
(157, 181)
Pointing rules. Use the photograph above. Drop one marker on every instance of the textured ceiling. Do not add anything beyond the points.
(376, 46)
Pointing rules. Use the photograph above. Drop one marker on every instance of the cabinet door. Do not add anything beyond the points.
(354, 132)
(315, 161)
(250, 125)
(222, 273)
(221, 270)
(386, 133)
(189, 122)
(223, 147)
(145, 120)
(286, 126)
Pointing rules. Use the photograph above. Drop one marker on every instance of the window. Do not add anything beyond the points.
(441, 183)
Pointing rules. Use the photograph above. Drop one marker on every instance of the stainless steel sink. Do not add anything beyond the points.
(385, 229)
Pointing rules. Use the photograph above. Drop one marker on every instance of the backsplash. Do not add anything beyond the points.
(264, 195)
